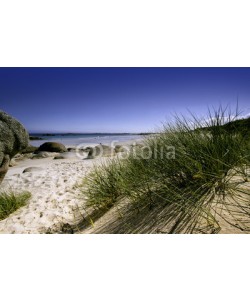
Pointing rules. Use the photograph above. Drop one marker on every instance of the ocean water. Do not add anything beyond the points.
(72, 140)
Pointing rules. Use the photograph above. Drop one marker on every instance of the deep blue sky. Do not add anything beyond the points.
(116, 99)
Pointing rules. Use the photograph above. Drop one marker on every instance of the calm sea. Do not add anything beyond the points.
(88, 139)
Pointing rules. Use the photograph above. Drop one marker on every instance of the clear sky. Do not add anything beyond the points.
(116, 99)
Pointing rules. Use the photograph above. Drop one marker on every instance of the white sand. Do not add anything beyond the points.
(55, 200)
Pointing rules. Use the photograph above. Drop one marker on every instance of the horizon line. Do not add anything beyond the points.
(44, 132)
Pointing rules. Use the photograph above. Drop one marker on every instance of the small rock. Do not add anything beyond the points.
(59, 157)
(43, 154)
(12, 163)
(32, 169)
(100, 151)
(67, 228)
(67, 155)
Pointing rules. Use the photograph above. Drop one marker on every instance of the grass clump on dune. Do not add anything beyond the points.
(10, 202)
(187, 170)
(104, 185)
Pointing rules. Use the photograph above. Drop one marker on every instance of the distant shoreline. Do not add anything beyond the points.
(72, 140)
(86, 134)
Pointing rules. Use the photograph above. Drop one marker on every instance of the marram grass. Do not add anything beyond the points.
(193, 183)
(10, 202)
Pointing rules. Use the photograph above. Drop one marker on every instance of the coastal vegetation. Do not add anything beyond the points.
(10, 202)
(200, 183)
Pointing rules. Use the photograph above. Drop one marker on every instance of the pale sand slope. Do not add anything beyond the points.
(121, 219)
(55, 200)
(233, 217)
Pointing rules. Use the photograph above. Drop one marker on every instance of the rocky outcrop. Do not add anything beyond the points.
(4, 167)
(52, 147)
(13, 139)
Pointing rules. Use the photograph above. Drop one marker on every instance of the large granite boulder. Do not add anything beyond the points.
(13, 139)
(52, 147)
(67, 155)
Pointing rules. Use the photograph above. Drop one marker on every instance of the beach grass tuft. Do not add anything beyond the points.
(195, 181)
(10, 202)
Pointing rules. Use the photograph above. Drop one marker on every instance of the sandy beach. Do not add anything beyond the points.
(189, 174)
(56, 204)
(54, 200)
